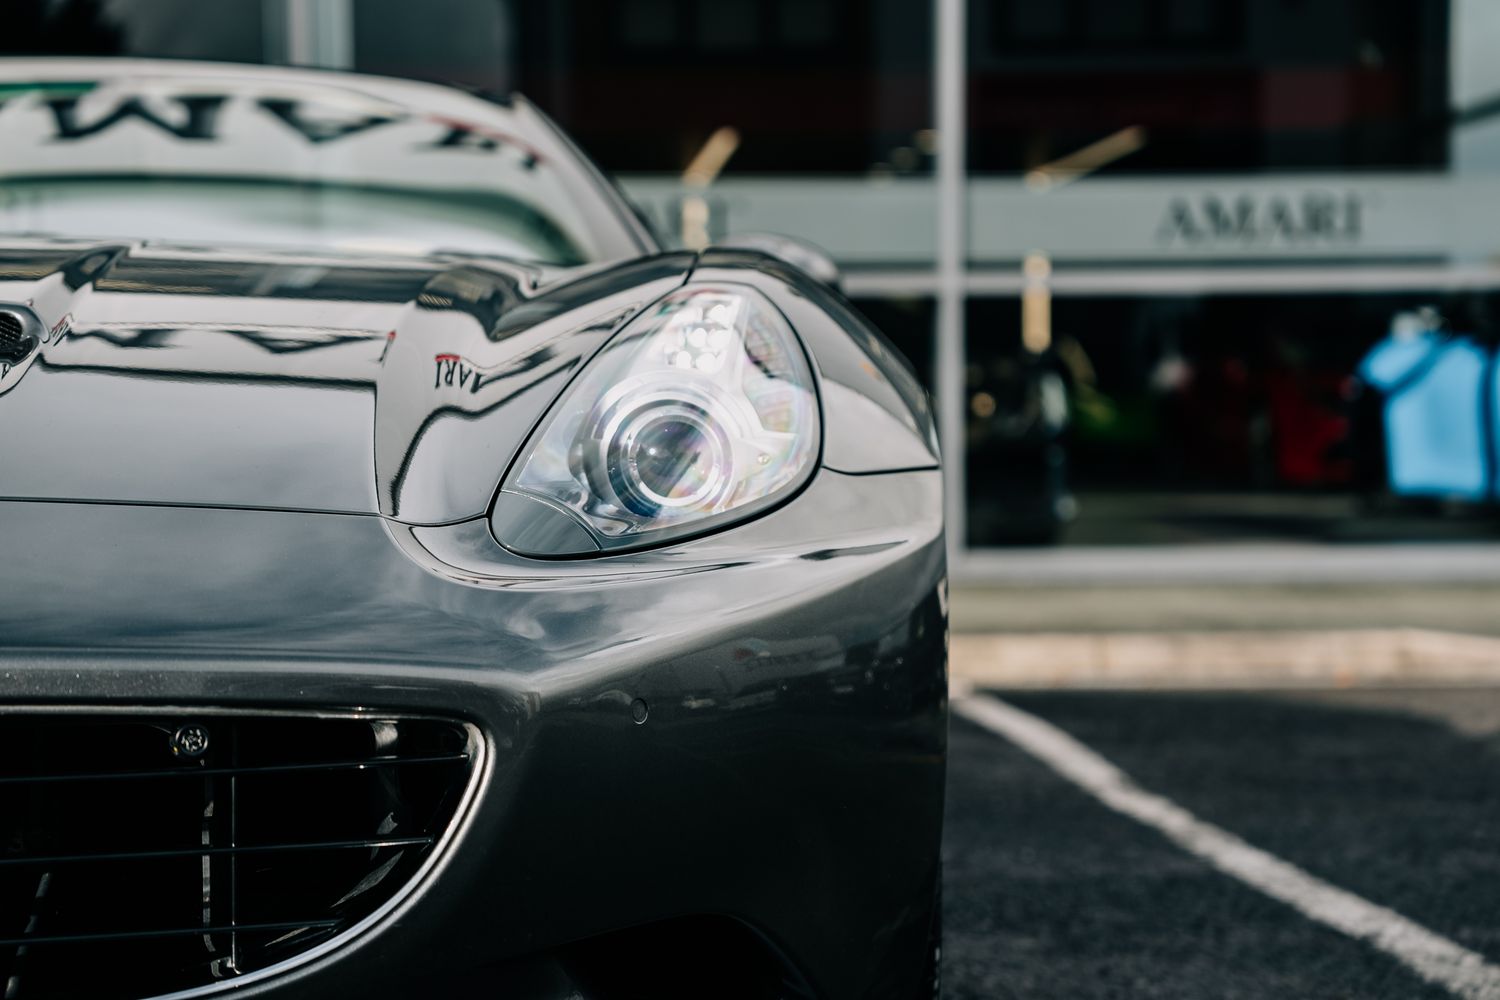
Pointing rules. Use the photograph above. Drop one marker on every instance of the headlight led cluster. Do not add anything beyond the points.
(701, 410)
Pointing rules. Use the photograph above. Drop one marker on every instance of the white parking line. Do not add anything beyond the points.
(1431, 956)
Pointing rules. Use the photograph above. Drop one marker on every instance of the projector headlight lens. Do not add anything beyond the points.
(702, 410)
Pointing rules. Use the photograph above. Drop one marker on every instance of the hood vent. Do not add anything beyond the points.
(144, 855)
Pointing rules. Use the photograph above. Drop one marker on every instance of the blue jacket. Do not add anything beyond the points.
(1440, 413)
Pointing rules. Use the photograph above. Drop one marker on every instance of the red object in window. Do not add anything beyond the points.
(1309, 428)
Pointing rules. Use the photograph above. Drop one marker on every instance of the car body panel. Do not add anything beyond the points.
(293, 380)
(261, 477)
(877, 416)
(793, 749)
(404, 387)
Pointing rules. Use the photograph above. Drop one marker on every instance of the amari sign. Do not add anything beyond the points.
(1247, 219)
(1100, 221)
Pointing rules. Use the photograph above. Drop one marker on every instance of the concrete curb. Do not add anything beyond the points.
(1405, 657)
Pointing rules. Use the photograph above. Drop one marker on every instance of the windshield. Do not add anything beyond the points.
(220, 155)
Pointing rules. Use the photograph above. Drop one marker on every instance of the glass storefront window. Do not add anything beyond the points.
(448, 41)
(810, 118)
(1227, 86)
(226, 30)
(836, 87)
(1266, 271)
(1226, 417)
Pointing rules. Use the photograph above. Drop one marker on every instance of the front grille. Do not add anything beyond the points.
(10, 328)
(15, 343)
(145, 855)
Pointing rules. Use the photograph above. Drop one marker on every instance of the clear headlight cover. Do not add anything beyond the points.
(701, 409)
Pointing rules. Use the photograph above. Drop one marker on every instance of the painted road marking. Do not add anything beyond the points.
(1433, 957)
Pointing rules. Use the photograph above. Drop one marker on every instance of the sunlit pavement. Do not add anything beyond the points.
(1393, 796)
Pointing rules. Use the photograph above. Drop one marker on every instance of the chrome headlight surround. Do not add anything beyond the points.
(702, 411)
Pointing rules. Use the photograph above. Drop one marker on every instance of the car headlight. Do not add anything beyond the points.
(702, 410)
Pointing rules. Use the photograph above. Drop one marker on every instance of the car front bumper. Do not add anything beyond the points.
(751, 726)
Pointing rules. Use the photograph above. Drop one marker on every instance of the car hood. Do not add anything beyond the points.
(291, 380)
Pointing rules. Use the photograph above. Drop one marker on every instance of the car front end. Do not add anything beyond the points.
(322, 675)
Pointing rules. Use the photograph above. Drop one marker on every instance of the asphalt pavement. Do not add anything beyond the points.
(1059, 884)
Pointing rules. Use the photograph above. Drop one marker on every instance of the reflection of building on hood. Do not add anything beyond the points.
(244, 126)
(247, 319)
(185, 313)
(285, 151)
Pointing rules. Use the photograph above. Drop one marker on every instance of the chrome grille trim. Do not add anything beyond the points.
(339, 932)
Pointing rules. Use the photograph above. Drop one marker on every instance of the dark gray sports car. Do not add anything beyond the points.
(416, 583)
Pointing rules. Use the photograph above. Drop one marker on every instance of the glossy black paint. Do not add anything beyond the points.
(240, 478)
